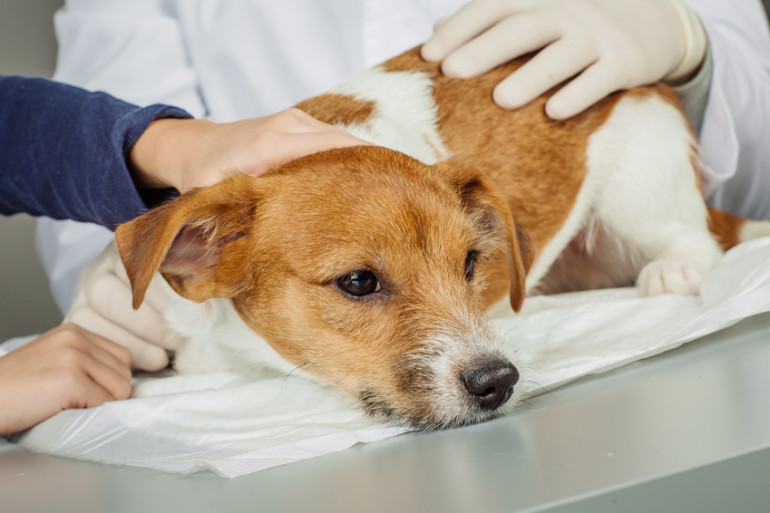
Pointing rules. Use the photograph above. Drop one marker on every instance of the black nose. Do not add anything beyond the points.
(490, 382)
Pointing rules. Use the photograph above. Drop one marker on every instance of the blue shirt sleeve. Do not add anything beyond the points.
(64, 152)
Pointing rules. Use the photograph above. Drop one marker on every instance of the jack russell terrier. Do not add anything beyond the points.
(373, 267)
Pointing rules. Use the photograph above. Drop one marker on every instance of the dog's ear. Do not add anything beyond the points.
(194, 241)
(481, 198)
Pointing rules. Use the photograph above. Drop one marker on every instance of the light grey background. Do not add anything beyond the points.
(27, 47)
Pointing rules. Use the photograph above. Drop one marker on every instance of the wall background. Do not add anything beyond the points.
(27, 47)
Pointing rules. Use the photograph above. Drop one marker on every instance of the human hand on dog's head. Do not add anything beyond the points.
(596, 46)
(191, 153)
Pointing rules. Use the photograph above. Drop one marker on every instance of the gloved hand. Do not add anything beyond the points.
(102, 305)
(606, 45)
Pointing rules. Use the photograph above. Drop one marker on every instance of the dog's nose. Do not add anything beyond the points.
(490, 382)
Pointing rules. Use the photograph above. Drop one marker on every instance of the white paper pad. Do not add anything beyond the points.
(225, 424)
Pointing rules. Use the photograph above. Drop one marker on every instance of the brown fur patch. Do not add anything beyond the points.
(726, 227)
(338, 108)
(537, 163)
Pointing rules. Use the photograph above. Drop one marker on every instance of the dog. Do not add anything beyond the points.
(372, 267)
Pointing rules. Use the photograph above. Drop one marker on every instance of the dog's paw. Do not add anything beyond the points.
(672, 277)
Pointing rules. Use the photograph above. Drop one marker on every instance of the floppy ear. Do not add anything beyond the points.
(193, 241)
(481, 197)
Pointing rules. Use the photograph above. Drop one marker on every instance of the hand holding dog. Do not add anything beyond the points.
(187, 153)
(606, 45)
(66, 367)
(103, 306)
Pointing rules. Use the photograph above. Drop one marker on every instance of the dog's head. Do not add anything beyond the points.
(364, 266)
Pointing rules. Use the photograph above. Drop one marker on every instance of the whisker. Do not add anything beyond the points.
(543, 390)
(301, 366)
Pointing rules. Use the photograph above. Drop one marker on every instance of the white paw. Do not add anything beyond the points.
(666, 276)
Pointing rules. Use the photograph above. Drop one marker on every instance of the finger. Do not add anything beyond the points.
(593, 84)
(82, 391)
(110, 298)
(107, 378)
(144, 355)
(108, 352)
(440, 23)
(551, 66)
(509, 39)
(94, 365)
(468, 22)
(294, 146)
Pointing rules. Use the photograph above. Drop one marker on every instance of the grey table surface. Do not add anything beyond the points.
(688, 430)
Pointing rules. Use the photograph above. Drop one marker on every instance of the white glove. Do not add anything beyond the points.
(609, 44)
(102, 305)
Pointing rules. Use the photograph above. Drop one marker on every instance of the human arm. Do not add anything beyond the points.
(65, 151)
(735, 131)
(69, 153)
(120, 48)
(72, 154)
(66, 367)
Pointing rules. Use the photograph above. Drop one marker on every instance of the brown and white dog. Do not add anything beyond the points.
(372, 267)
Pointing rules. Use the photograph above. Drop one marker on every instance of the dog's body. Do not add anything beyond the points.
(372, 269)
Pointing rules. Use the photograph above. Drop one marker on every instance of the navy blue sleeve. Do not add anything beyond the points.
(64, 152)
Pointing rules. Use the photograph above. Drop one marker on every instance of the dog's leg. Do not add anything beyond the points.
(649, 195)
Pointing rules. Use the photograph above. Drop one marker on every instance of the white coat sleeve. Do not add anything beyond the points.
(735, 132)
(133, 50)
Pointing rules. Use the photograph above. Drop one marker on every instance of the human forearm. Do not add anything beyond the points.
(64, 151)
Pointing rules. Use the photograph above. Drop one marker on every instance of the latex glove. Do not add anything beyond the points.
(67, 367)
(606, 45)
(189, 153)
(103, 305)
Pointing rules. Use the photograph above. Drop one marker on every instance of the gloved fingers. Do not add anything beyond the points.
(440, 23)
(593, 84)
(110, 297)
(553, 65)
(155, 296)
(468, 22)
(512, 37)
(144, 355)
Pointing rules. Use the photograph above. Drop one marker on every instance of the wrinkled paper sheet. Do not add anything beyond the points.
(231, 426)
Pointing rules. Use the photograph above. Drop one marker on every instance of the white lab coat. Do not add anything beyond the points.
(229, 60)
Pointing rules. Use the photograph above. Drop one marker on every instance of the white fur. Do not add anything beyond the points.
(650, 199)
(405, 117)
(639, 213)
(456, 347)
(217, 339)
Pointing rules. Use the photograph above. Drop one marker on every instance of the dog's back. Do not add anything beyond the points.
(608, 198)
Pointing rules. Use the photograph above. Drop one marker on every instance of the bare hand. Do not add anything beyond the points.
(67, 367)
(189, 153)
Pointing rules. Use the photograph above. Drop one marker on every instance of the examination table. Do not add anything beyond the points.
(688, 430)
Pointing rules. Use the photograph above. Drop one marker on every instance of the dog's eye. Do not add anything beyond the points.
(359, 283)
(470, 264)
